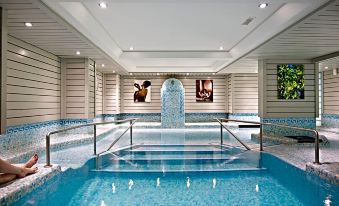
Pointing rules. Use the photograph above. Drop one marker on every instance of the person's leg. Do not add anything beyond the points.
(5, 178)
(12, 171)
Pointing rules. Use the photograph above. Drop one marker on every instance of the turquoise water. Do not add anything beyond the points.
(278, 184)
(189, 168)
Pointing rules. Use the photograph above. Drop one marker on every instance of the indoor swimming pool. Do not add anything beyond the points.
(278, 184)
(168, 167)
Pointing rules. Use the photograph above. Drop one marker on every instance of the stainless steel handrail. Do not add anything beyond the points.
(316, 133)
(48, 136)
(221, 137)
(117, 139)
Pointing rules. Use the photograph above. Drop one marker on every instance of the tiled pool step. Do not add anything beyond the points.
(174, 158)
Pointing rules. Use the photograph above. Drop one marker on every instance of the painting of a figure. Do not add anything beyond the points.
(142, 91)
(204, 90)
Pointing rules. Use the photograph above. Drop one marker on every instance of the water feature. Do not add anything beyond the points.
(172, 104)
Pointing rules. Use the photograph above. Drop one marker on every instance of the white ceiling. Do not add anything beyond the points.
(179, 35)
(315, 35)
(52, 33)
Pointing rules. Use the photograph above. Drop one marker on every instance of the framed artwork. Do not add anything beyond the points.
(291, 82)
(142, 91)
(204, 90)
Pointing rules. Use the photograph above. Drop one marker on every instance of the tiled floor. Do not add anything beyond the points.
(299, 155)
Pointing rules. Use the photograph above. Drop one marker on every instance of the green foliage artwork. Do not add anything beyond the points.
(291, 81)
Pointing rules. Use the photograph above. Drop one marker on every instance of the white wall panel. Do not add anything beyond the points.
(331, 93)
(33, 84)
(99, 93)
(274, 107)
(242, 93)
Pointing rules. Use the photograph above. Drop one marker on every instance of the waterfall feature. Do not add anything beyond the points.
(172, 104)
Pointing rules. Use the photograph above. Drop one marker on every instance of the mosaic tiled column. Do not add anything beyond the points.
(172, 104)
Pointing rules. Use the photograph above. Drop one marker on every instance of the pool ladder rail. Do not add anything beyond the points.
(48, 136)
(261, 124)
(132, 121)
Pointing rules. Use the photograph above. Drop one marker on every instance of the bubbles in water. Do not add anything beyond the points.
(327, 201)
(257, 188)
(188, 183)
(130, 184)
(158, 181)
(102, 203)
(113, 188)
(214, 181)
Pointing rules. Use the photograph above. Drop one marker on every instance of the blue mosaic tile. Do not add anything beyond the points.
(244, 116)
(144, 117)
(309, 123)
(330, 120)
(172, 104)
(204, 117)
(30, 136)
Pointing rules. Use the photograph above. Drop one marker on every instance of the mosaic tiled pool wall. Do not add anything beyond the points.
(30, 135)
(309, 123)
(244, 116)
(330, 120)
(204, 117)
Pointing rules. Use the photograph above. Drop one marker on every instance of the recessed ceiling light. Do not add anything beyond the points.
(187, 74)
(103, 5)
(221, 48)
(213, 73)
(78, 52)
(113, 71)
(102, 65)
(158, 74)
(28, 24)
(263, 5)
(131, 48)
(326, 67)
(131, 74)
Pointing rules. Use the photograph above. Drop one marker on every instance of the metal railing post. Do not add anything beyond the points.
(95, 139)
(97, 162)
(131, 132)
(317, 161)
(221, 134)
(48, 136)
(48, 152)
(261, 138)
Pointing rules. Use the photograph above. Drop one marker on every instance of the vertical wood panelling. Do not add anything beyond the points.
(79, 88)
(331, 93)
(98, 94)
(229, 94)
(245, 93)
(75, 88)
(33, 84)
(219, 98)
(91, 88)
(275, 107)
(191, 106)
(127, 92)
(118, 93)
(242, 93)
(110, 95)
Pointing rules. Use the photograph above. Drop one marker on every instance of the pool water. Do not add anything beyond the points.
(278, 184)
(179, 167)
(179, 158)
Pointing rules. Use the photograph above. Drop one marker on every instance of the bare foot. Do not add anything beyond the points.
(26, 171)
(32, 161)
